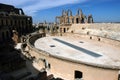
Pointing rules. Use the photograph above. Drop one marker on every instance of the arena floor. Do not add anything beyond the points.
(80, 49)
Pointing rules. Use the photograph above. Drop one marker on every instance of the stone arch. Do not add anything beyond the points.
(90, 19)
(66, 13)
(79, 12)
(56, 19)
(62, 12)
(69, 12)
(7, 35)
(20, 29)
(72, 20)
(11, 22)
(64, 30)
(85, 19)
(21, 11)
(77, 20)
(68, 20)
(2, 22)
(3, 36)
(24, 29)
(82, 20)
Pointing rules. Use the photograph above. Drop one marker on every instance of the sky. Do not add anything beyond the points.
(47, 10)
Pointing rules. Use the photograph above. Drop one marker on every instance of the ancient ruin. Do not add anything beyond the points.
(68, 18)
(71, 48)
(12, 18)
(80, 50)
(13, 24)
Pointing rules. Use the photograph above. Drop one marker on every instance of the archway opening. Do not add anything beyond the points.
(82, 20)
(64, 30)
(72, 20)
(78, 75)
(90, 37)
(68, 20)
(77, 20)
(3, 36)
(7, 35)
(99, 39)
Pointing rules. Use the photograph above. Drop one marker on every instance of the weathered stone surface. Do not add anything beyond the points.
(12, 18)
(107, 30)
(68, 18)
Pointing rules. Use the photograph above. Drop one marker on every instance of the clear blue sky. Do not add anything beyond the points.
(41, 10)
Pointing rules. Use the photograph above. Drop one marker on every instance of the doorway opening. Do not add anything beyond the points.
(78, 75)
(77, 20)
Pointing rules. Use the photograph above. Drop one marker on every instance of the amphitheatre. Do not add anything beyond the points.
(80, 51)
(72, 48)
(78, 54)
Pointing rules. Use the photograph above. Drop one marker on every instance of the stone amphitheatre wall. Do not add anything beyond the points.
(105, 32)
(65, 68)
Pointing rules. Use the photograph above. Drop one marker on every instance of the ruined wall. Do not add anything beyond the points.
(68, 18)
(65, 68)
(12, 18)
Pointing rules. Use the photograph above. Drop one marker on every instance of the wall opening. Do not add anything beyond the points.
(82, 21)
(6, 22)
(7, 35)
(11, 22)
(72, 31)
(119, 77)
(98, 39)
(88, 33)
(90, 37)
(49, 66)
(68, 20)
(67, 28)
(3, 36)
(46, 64)
(78, 75)
(64, 30)
(72, 20)
(2, 22)
(77, 20)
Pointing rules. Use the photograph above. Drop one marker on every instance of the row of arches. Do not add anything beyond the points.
(6, 33)
(11, 22)
(22, 25)
(69, 12)
(73, 20)
(68, 18)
